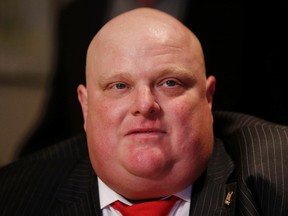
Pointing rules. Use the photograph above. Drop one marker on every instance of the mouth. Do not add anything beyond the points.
(145, 131)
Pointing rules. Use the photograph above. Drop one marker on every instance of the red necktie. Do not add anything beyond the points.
(150, 208)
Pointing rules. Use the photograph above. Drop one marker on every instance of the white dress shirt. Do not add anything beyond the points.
(108, 196)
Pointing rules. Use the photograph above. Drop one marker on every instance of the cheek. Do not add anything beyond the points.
(102, 139)
(180, 114)
(191, 127)
(102, 114)
(193, 143)
(102, 125)
(105, 118)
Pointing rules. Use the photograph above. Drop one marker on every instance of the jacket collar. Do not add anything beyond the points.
(214, 193)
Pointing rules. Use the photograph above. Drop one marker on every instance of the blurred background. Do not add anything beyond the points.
(27, 52)
(42, 60)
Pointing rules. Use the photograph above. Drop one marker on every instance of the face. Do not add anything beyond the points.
(147, 111)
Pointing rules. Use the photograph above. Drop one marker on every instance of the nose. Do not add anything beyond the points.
(145, 102)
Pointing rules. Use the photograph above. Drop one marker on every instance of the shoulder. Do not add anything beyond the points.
(72, 149)
(259, 150)
(246, 131)
(32, 180)
(248, 136)
(230, 122)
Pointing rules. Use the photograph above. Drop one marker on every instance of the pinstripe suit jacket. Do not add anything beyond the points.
(250, 159)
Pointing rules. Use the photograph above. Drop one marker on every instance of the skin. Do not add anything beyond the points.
(147, 105)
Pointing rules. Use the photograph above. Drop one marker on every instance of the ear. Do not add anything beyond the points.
(210, 89)
(82, 97)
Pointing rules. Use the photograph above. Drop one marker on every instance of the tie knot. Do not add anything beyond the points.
(149, 208)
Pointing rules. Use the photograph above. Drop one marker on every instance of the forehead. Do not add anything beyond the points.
(141, 54)
(141, 38)
(140, 26)
(154, 39)
(123, 42)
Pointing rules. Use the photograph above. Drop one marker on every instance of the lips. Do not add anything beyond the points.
(145, 131)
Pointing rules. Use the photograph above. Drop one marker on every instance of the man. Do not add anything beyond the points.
(141, 99)
(149, 126)
(146, 88)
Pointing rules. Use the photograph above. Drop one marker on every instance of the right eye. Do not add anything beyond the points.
(119, 86)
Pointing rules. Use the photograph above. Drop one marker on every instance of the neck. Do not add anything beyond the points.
(144, 200)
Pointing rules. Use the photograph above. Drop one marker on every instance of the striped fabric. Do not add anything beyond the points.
(260, 151)
(247, 175)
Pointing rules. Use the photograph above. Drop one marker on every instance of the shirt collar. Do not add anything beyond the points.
(108, 196)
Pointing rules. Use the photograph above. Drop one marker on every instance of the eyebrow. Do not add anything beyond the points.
(103, 80)
(166, 71)
(114, 75)
(180, 71)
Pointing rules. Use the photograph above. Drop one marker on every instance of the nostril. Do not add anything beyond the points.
(155, 108)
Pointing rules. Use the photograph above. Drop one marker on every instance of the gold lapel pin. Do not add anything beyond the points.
(228, 198)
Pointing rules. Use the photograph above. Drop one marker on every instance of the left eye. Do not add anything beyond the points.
(170, 83)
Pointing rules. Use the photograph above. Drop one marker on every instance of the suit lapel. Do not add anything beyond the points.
(78, 195)
(214, 193)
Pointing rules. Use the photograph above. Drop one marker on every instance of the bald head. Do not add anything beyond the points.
(143, 19)
(147, 105)
(135, 27)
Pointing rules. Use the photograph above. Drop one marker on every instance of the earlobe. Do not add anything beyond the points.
(210, 89)
(82, 97)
